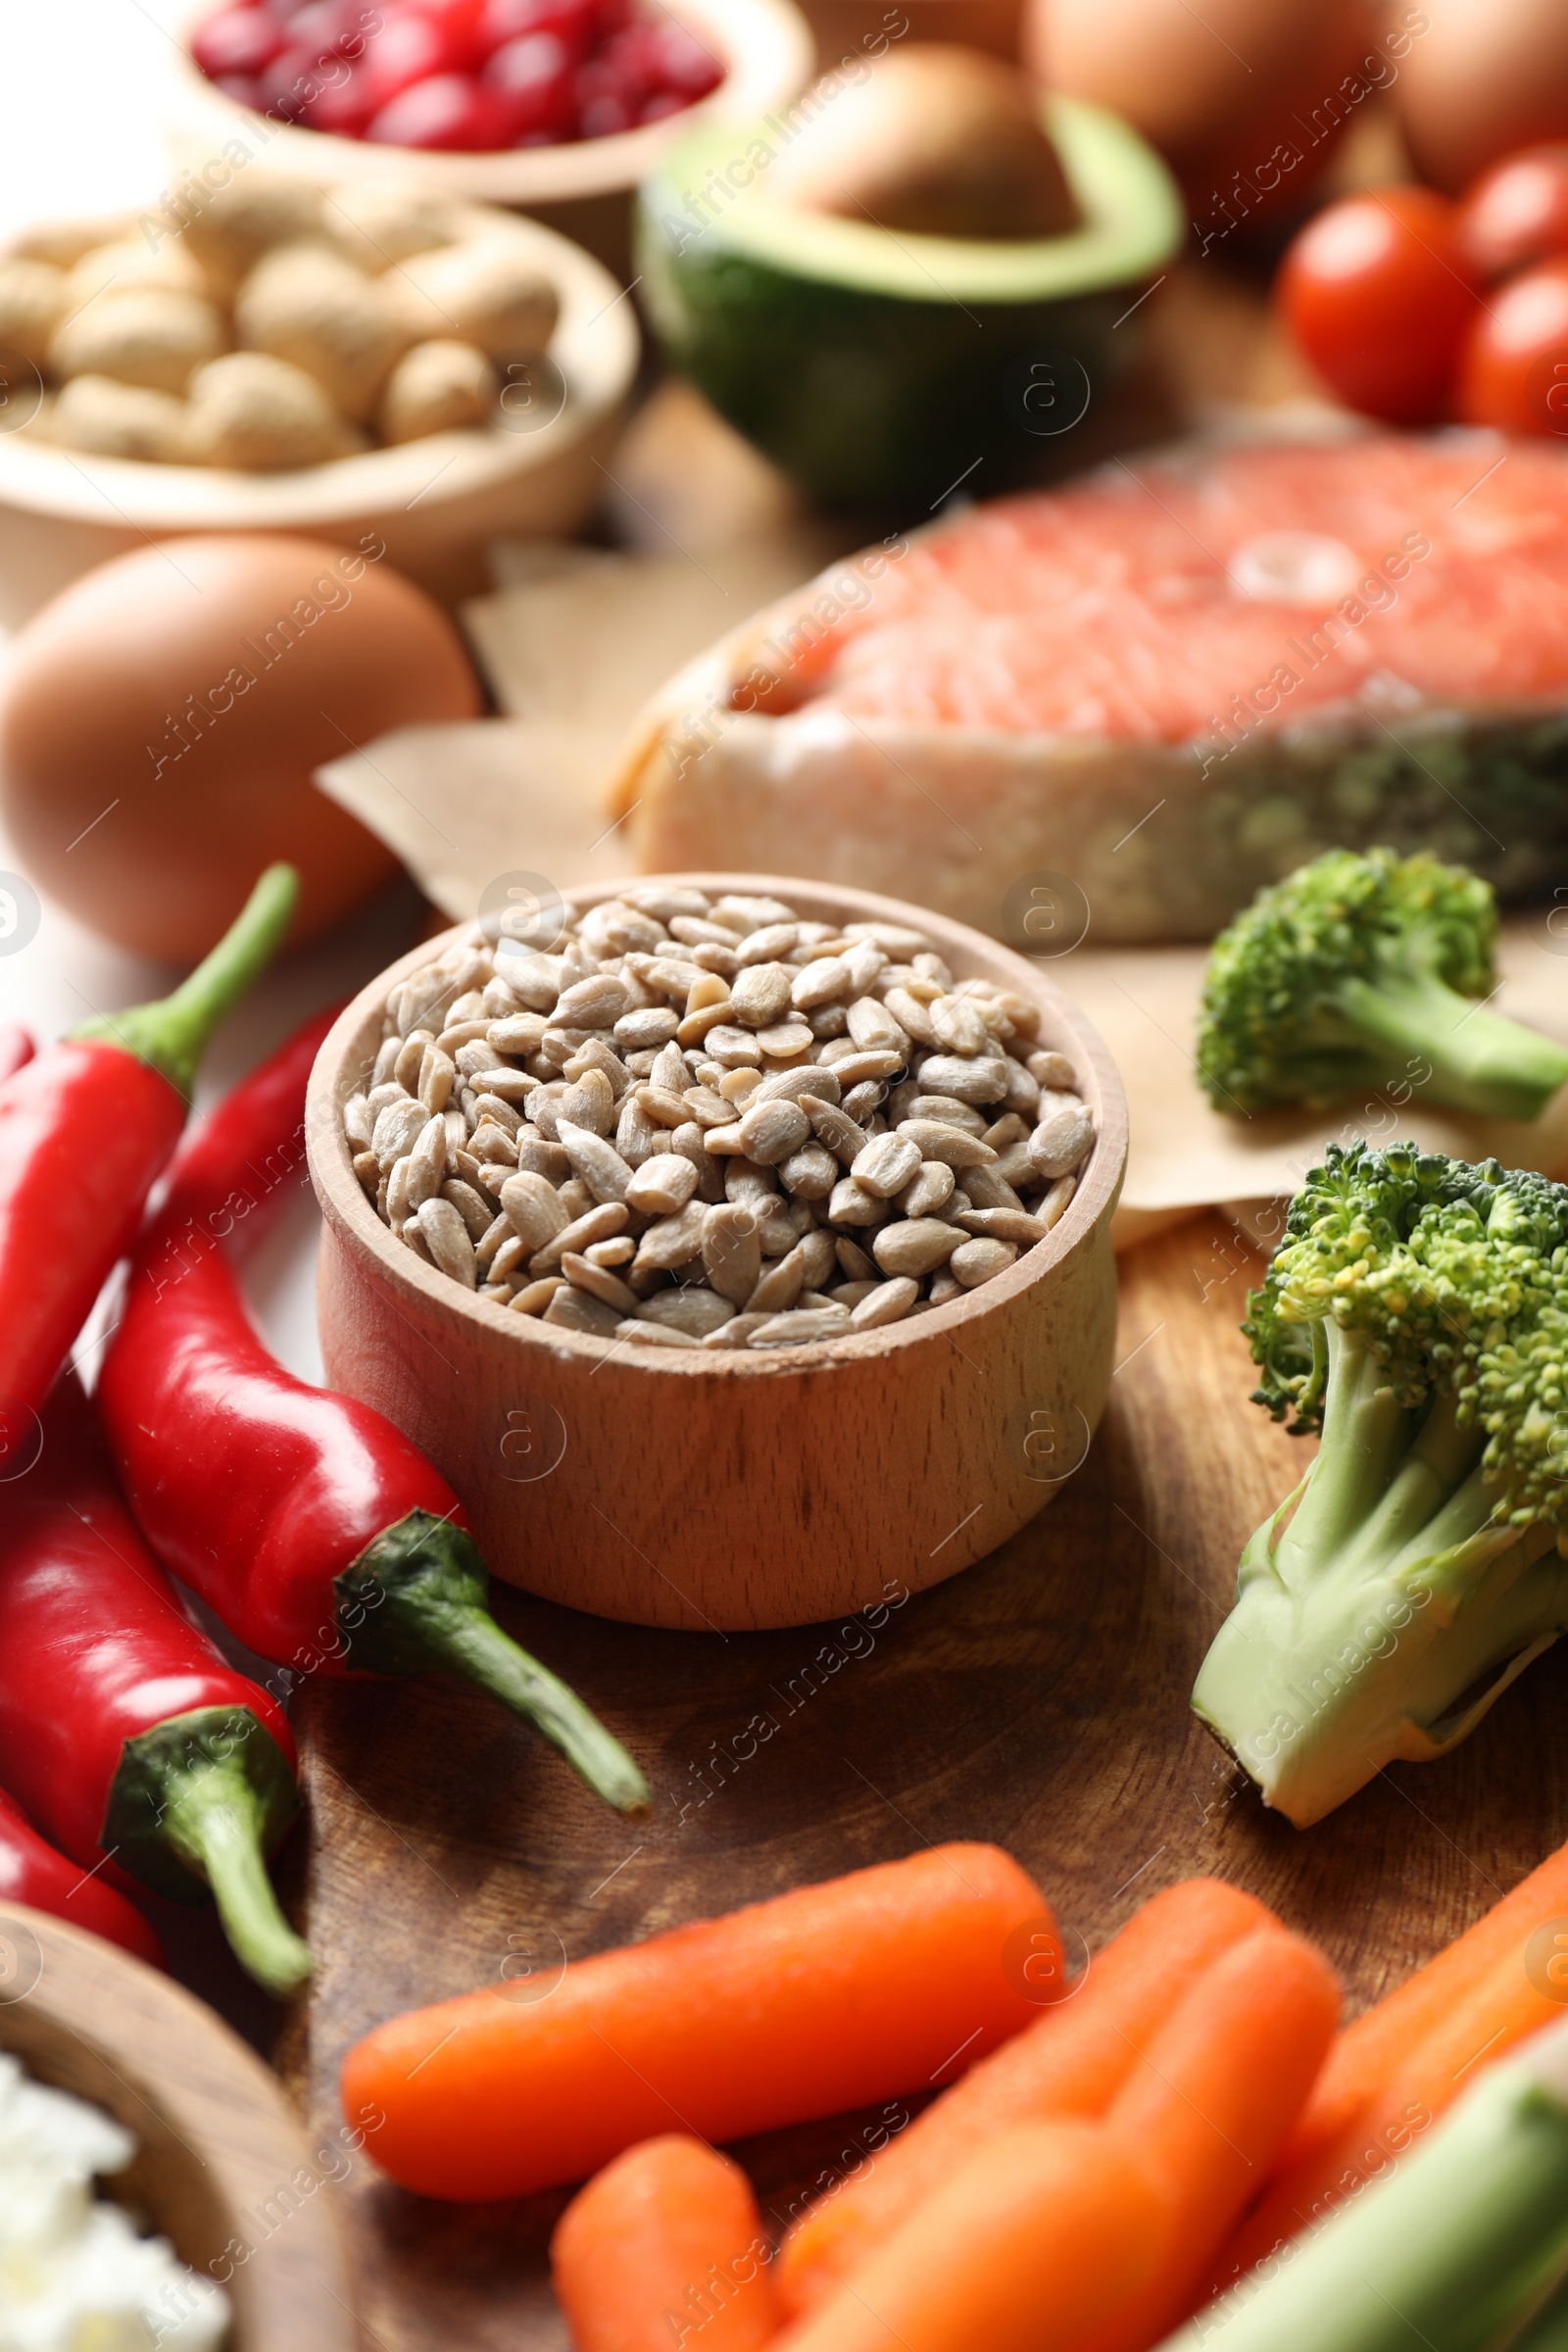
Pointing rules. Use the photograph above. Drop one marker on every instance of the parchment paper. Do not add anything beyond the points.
(575, 645)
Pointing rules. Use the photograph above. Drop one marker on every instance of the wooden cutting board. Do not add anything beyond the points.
(1039, 1701)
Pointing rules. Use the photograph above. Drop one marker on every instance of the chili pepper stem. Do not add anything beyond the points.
(214, 1823)
(173, 1033)
(415, 1600)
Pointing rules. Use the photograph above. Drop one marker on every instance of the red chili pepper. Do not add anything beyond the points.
(309, 1523)
(85, 1130)
(123, 1733)
(16, 1050)
(36, 1872)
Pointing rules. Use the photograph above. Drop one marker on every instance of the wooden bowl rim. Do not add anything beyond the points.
(769, 58)
(353, 1218)
(596, 344)
(173, 2055)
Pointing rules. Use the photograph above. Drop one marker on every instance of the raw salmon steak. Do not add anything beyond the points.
(1150, 692)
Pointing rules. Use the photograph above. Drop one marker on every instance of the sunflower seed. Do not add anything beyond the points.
(801, 1329)
(1062, 1138)
(447, 1238)
(916, 1246)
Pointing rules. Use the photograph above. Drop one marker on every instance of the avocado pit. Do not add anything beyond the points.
(938, 141)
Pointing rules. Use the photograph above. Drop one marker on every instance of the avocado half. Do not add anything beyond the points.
(878, 367)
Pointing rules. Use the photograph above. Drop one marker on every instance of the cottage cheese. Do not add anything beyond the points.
(75, 2276)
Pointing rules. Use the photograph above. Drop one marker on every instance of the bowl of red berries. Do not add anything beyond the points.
(558, 107)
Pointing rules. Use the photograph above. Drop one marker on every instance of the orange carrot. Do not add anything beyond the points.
(1211, 2104)
(663, 2244)
(1378, 2042)
(1032, 2243)
(1070, 2061)
(825, 1998)
(1487, 2020)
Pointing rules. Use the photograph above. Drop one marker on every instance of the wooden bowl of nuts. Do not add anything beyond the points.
(738, 1247)
(373, 357)
(218, 2167)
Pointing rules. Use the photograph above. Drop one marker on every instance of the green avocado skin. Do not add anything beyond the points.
(871, 400)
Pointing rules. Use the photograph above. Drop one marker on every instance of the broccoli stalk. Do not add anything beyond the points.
(1362, 971)
(1417, 1315)
(1456, 2249)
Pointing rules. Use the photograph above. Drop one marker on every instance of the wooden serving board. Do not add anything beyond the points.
(1040, 1700)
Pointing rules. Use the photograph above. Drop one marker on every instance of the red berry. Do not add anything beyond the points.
(237, 40)
(447, 111)
(290, 84)
(663, 103)
(604, 118)
(627, 67)
(323, 25)
(340, 106)
(569, 21)
(685, 63)
(405, 51)
(537, 85)
(457, 22)
(243, 88)
(610, 17)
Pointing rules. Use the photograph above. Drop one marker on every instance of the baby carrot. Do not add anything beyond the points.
(824, 1998)
(664, 2243)
(1070, 2060)
(1378, 2041)
(1209, 2106)
(1486, 2022)
(1033, 2243)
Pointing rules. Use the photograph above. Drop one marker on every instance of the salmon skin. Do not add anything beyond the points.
(1163, 686)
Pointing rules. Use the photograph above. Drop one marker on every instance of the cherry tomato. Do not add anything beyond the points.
(537, 81)
(237, 40)
(1514, 372)
(444, 111)
(1378, 295)
(1517, 211)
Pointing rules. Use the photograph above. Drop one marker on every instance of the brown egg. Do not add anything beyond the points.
(1489, 77)
(1245, 98)
(163, 718)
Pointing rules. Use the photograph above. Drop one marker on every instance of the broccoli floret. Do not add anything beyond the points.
(1365, 970)
(1417, 1317)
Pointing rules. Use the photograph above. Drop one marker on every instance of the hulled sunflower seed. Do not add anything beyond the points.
(662, 1186)
(732, 1254)
(916, 1246)
(863, 1125)
(887, 1164)
(802, 1328)
(884, 1302)
(978, 1261)
(447, 1238)
(695, 1310)
(1063, 1137)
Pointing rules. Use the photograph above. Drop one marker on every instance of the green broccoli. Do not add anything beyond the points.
(1362, 970)
(1416, 1314)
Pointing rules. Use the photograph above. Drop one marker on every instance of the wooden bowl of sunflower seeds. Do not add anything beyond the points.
(738, 1247)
